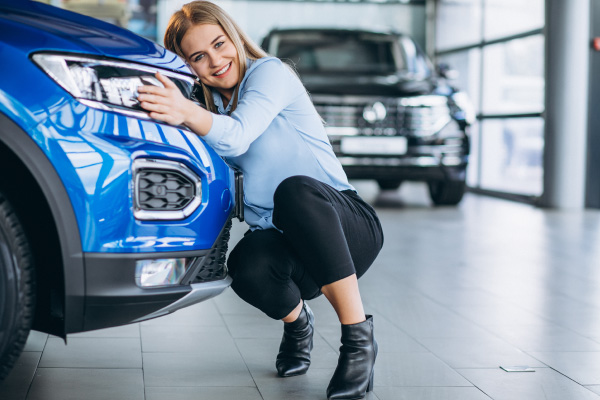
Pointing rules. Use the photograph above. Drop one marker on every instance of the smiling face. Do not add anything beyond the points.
(213, 57)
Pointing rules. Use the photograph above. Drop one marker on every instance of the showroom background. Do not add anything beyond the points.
(526, 66)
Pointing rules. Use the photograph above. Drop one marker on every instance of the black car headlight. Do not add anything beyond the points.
(107, 84)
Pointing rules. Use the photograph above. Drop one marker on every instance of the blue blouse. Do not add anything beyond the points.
(274, 133)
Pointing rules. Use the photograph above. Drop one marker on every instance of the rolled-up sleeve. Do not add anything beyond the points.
(269, 88)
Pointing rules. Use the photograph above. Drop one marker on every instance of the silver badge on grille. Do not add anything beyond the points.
(374, 112)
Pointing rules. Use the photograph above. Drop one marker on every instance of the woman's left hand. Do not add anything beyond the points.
(165, 104)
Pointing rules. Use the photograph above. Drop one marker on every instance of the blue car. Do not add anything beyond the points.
(107, 217)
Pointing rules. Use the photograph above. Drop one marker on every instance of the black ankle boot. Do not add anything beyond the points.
(296, 344)
(353, 377)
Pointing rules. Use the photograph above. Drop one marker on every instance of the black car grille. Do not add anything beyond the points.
(401, 118)
(211, 267)
(164, 190)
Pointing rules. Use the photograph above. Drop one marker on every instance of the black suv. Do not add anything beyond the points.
(388, 114)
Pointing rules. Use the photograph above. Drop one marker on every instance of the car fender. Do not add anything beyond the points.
(42, 170)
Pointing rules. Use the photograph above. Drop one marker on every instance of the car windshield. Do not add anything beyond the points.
(340, 53)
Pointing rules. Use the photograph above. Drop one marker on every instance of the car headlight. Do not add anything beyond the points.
(107, 84)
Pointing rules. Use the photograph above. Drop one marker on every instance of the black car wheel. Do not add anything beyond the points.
(17, 295)
(447, 193)
(388, 184)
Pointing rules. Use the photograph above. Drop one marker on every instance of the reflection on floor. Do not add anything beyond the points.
(456, 293)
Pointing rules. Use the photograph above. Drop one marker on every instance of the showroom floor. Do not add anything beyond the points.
(456, 293)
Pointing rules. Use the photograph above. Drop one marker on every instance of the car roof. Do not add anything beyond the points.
(336, 31)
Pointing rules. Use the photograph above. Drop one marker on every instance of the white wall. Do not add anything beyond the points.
(256, 18)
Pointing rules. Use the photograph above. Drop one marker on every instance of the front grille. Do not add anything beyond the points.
(417, 116)
(212, 266)
(164, 190)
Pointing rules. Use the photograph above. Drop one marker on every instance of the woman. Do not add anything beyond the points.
(310, 232)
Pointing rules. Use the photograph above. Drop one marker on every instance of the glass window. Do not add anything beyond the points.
(338, 53)
(509, 17)
(458, 23)
(139, 16)
(467, 64)
(513, 80)
(512, 154)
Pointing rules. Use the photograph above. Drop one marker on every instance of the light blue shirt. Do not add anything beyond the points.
(274, 133)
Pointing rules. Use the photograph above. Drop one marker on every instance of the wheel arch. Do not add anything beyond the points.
(36, 191)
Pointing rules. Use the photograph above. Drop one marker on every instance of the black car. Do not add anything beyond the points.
(389, 115)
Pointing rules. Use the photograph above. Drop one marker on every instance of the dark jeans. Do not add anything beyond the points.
(327, 235)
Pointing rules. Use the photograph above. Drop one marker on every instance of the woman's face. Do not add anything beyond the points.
(213, 57)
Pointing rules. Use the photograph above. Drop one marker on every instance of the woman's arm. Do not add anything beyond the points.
(269, 89)
(168, 104)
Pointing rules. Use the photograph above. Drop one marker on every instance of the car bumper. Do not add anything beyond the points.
(416, 168)
(113, 298)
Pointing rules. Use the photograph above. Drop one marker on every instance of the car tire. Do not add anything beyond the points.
(389, 184)
(447, 193)
(17, 288)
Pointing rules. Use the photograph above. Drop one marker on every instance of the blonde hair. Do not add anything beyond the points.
(204, 12)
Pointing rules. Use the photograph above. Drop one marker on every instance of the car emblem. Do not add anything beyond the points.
(374, 112)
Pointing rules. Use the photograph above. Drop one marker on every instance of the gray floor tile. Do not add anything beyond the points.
(594, 388)
(178, 338)
(543, 384)
(126, 331)
(16, 384)
(209, 368)
(92, 353)
(582, 367)
(570, 312)
(461, 295)
(414, 369)
(485, 351)
(88, 384)
(253, 326)
(543, 337)
(204, 393)
(36, 341)
(420, 317)
(498, 314)
(430, 393)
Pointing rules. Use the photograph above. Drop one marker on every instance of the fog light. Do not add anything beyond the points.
(162, 272)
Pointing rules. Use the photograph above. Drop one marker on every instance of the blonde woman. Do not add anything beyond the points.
(310, 233)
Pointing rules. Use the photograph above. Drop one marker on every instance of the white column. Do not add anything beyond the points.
(567, 56)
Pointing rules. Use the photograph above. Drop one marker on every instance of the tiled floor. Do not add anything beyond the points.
(456, 293)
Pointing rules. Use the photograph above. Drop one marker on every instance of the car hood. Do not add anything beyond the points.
(39, 27)
(388, 85)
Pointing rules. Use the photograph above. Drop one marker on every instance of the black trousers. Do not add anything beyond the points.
(327, 235)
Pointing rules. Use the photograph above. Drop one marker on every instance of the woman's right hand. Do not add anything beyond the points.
(166, 103)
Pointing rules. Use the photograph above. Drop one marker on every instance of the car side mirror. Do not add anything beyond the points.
(445, 71)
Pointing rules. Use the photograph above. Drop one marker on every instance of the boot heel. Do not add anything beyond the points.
(370, 387)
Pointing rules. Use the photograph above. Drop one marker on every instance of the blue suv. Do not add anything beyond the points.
(106, 216)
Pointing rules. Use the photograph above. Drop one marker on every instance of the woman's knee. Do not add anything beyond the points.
(296, 197)
(260, 283)
(249, 270)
